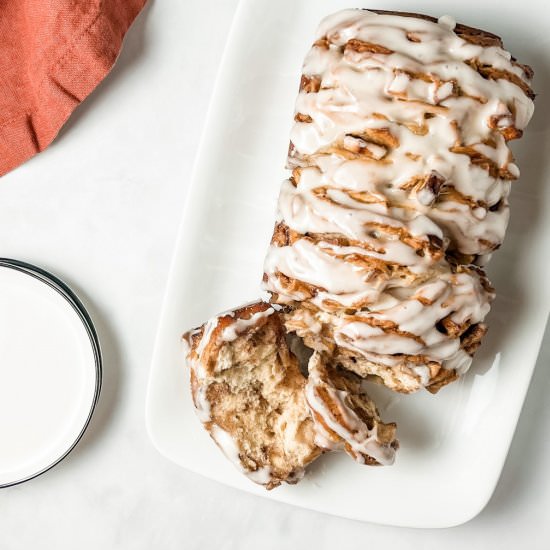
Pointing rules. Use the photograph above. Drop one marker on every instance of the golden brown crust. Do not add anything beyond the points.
(470, 34)
(442, 378)
(492, 73)
(361, 46)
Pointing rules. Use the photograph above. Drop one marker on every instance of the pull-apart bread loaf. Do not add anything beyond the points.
(398, 195)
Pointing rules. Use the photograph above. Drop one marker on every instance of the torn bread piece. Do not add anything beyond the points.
(345, 417)
(248, 392)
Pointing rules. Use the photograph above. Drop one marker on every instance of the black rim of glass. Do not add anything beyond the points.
(59, 286)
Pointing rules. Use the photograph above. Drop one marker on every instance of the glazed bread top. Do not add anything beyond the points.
(401, 171)
(433, 111)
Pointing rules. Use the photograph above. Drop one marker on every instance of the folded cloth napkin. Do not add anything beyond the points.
(53, 53)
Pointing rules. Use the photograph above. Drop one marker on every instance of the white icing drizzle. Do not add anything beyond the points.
(230, 449)
(309, 263)
(350, 428)
(304, 211)
(447, 21)
(227, 444)
(202, 404)
(459, 297)
(209, 328)
(231, 332)
(355, 86)
(423, 373)
(400, 143)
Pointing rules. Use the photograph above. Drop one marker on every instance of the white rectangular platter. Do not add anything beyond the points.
(453, 445)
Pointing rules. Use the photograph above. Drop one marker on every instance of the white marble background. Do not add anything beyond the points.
(100, 208)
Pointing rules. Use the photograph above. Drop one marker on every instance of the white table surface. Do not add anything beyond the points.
(100, 208)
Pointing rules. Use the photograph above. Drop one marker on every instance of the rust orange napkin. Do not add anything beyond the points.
(53, 53)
